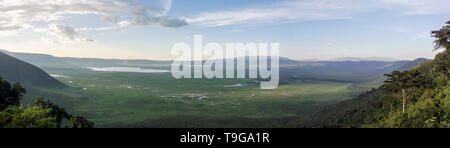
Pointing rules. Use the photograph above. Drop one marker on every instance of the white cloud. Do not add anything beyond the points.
(21, 14)
(125, 23)
(420, 6)
(7, 33)
(63, 31)
(50, 41)
(311, 10)
(423, 35)
(167, 5)
(85, 39)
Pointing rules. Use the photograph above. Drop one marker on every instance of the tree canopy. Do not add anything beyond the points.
(10, 95)
(442, 37)
(44, 114)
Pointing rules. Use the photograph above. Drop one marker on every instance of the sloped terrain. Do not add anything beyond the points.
(15, 70)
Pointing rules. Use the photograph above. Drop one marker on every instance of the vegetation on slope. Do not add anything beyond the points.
(44, 114)
(419, 98)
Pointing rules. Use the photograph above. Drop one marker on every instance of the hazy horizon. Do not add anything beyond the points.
(349, 58)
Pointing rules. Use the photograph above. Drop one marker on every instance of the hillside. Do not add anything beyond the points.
(429, 106)
(360, 88)
(45, 61)
(15, 70)
(412, 64)
(417, 98)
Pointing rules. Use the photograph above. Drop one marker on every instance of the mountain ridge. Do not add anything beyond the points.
(36, 58)
(15, 70)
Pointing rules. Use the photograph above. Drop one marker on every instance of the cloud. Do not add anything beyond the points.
(7, 33)
(20, 14)
(419, 6)
(86, 40)
(288, 11)
(50, 41)
(423, 35)
(63, 31)
(169, 21)
(124, 23)
(167, 5)
(313, 10)
(6, 27)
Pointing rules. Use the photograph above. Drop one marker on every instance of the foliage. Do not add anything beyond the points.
(80, 122)
(442, 37)
(10, 95)
(419, 98)
(431, 109)
(27, 117)
(56, 111)
(407, 83)
(44, 114)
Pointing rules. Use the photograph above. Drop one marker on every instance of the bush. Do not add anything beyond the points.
(27, 117)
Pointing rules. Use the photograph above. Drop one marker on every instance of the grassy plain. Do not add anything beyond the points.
(112, 99)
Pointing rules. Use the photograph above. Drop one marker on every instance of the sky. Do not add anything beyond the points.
(147, 29)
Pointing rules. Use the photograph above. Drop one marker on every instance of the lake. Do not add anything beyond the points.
(128, 69)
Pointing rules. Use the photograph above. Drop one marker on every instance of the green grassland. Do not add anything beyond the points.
(113, 99)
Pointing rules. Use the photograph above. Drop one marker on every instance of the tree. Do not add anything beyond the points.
(442, 37)
(58, 112)
(10, 95)
(442, 64)
(407, 82)
(27, 117)
(443, 41)
(44, 114)
(80, 122)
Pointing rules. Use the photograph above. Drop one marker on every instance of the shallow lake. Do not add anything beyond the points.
(128, 69)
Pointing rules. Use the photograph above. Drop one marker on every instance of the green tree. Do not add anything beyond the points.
(442, 37)
(10, 95)
(58, 112)
(442, 41)
(80, 122)
(27, 117)
(406, 82)
(44, 114)
(442, 64)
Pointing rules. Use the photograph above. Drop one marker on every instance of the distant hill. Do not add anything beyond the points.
(45, 61)
(355, 59)
(48, 61)
(412, 64)
(15, 70)
(379, 80)
(40, 60)
(342, 70)
(339, 71)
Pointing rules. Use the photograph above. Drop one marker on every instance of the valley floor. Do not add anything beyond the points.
(157, 100)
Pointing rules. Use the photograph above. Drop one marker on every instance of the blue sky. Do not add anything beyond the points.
(305, 29)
